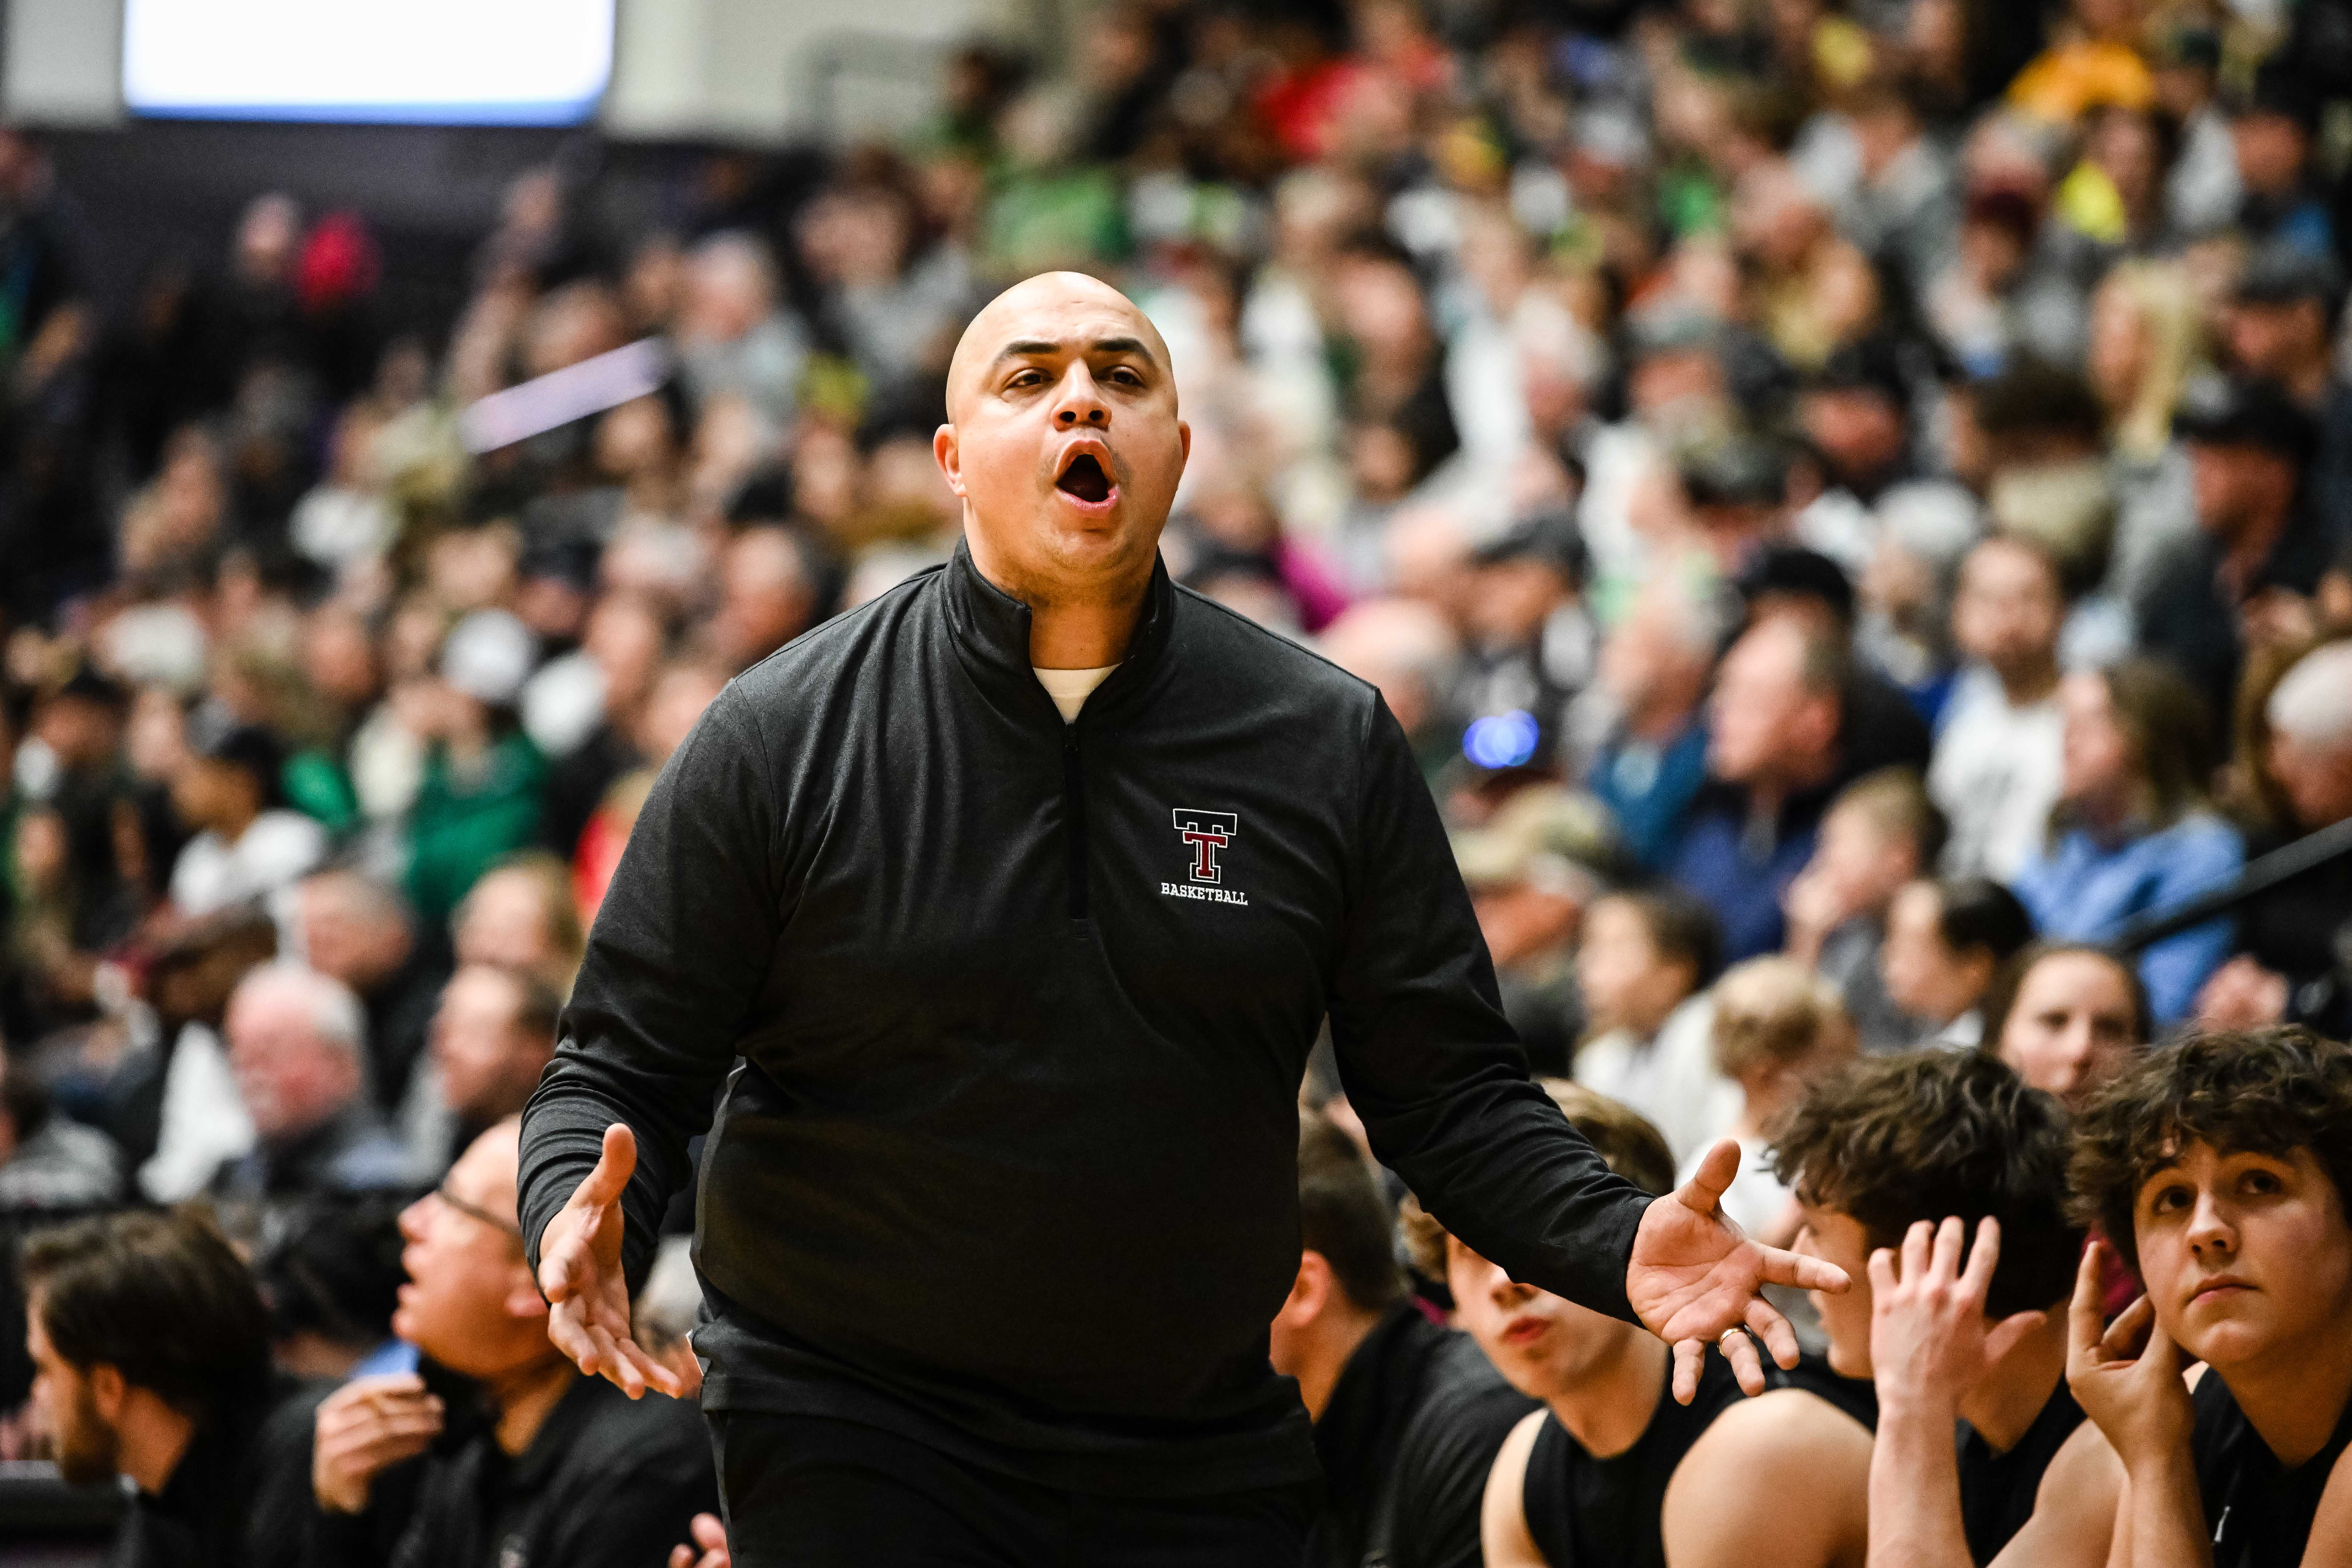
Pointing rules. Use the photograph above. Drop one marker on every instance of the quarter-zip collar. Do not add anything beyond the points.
(992, 636)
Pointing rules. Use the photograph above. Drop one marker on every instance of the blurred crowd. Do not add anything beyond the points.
(1864, 484)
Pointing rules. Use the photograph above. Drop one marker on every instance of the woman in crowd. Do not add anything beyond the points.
(2134, 834)
(2068, 1015)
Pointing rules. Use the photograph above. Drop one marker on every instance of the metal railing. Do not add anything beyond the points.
(2281, 865)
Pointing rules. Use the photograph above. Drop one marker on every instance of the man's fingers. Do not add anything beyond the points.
(562, 1267)
(397, 1423)
(1883, 1281)
(2125, 1337)
(1982, 1258)
(618, 1370)
(390, 1449)
(361, 1418)
(1740, 1352)
(1703, 1192)
(2006, 1333)
(1918, 1241)
(1784, 1268)
(615, 1163)
(378, 1392)
(650, 1368)
(2161, 1355)
(2085, 1322)
(1688, 1353)
(567, 1333)
(1765, 1321)
(1951, 1237)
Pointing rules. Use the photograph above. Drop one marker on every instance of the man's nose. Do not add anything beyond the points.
(1081, 402)
(2210, 1229)
(1507, 1291)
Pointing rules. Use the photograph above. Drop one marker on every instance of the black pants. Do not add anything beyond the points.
(809, 1492)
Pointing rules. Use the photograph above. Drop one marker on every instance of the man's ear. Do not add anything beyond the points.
(523, 1299)
(1310, 1292)
(949, 457)
(1184, 443)
(1981, 966)
(1829, 719)
(108, 1392)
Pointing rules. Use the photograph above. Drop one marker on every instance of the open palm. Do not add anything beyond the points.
(1695, 1278)
(580, 1274)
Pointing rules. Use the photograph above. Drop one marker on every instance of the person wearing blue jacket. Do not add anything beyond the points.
(2134, 833)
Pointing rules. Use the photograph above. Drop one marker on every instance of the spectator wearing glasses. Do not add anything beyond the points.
(537, 1464)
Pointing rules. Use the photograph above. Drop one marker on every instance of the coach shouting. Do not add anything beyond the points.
(1007, 908)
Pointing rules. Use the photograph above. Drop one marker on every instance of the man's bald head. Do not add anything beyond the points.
(1009, 318)
(1063, 441)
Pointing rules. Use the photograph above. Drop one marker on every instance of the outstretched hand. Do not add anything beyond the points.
(580, 1274)
(1929, 1338)
(1695, 1278)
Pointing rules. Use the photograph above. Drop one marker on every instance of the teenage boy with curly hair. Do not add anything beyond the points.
(2219, 1169)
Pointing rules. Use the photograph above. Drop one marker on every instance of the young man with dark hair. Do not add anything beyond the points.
(1611, 1471)
(1408, 1415)
(1946, 939)
(2218, 1169)
(1909, 1152)
(150, 1357)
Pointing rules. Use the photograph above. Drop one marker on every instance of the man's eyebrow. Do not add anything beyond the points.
(1025, 348)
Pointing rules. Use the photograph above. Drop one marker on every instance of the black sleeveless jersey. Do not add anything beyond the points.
(1588, 1513)
(1997, 1491)
(1857, 1396)
(2259, 1512)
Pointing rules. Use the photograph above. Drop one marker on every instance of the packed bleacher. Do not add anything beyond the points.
(1850, 501)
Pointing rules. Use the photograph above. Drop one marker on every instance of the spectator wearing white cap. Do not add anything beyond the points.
(480, 797)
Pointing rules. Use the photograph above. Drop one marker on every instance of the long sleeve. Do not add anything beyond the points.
(1432, 1068)
(680, 949)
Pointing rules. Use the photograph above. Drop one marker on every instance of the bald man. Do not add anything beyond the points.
(1007, 908)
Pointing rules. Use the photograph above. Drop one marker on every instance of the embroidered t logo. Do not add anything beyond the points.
(1205, 833)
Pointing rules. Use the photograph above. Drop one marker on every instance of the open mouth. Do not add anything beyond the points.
(1085, 479)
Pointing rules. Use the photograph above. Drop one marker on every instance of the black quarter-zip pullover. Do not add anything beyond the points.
(1011, 1016)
